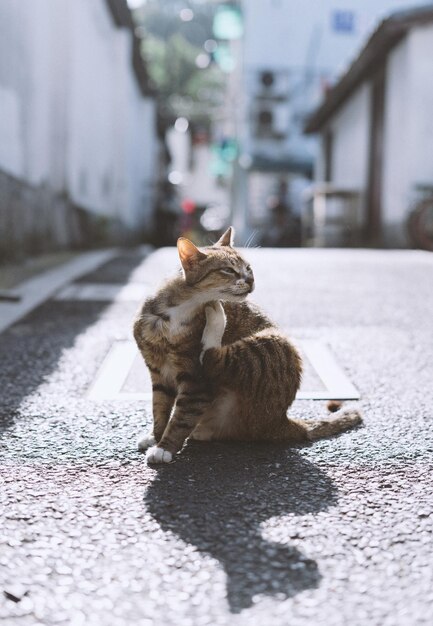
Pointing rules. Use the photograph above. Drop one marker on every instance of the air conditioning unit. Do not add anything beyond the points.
(271, 120)
(270, 83)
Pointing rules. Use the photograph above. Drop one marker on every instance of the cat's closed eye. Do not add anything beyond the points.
(229, 271)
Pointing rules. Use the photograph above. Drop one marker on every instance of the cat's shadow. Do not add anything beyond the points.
(216, 496)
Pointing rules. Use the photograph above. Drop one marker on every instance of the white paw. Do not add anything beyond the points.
(158, 455)
(214, 329)
(145, 441)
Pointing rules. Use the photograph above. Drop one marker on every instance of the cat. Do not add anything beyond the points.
(220, 369)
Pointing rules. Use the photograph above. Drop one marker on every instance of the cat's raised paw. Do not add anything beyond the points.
(145, 441)
(158, 455)
(214, 329)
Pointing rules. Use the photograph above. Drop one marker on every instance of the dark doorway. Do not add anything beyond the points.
(373, 225)
(328, 145)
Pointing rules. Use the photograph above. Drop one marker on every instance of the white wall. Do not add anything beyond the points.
(24, 93)
(115, 174)
(142, 162)
(420, 159)
(408, 157)
(350, 129)
(408, 132)
(398, 134)
(71, 111)
(93, 114)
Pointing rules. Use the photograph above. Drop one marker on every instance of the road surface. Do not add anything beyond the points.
(333, 534)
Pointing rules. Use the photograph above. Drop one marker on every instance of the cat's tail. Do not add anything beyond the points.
(334, 405)
(341, 420)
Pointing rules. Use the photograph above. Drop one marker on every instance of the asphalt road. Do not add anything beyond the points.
(333, 534)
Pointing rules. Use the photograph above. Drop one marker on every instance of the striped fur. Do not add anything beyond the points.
(220, 368)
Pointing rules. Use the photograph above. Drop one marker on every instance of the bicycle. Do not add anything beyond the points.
(420, 220)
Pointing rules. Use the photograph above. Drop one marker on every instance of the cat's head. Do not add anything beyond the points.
(219, 269)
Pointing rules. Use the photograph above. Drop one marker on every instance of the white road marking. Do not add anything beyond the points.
(104, 292)
(38, 289)
(337, 384)
(118, 364)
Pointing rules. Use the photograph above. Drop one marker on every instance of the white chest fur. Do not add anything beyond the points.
(181, 314)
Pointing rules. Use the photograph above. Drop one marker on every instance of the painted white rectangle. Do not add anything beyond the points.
(338, 386)
(118, 364)
(114, 371)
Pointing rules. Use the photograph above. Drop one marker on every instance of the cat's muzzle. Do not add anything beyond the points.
(244, 291)
(249, 286)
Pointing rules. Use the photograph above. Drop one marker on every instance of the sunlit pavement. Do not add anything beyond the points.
(338, 533)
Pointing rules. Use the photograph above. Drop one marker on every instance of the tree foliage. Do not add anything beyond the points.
(170, 47)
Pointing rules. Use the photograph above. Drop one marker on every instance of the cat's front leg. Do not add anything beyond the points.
(214, 329)
(191, 404)
(163, 397)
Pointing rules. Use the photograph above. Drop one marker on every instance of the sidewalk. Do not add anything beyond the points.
(338, 533)
(12, 274)
(45, 277)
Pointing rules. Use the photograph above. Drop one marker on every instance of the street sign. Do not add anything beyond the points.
(343, 21)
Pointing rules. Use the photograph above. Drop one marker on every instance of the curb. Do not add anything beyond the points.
(34, 291)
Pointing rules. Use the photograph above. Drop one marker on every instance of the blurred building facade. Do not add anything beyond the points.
(291, 56)
(78, 146)
(376, 126)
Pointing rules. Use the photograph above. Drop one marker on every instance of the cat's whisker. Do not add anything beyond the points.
(250, 239)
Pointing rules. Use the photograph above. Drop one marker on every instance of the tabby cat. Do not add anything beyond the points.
(220, 369)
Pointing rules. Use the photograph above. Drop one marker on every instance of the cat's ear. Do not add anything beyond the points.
(228, 238)
(189, 254)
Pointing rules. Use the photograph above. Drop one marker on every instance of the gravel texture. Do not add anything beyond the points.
(333, 534)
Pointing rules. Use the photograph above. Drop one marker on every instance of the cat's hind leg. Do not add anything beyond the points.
(220, 421)
(300, 431)
(202, 432)
(338, 422)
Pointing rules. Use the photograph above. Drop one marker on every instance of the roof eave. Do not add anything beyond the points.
(389, 33)
(121, 13)
(123, 19)
(140, 70)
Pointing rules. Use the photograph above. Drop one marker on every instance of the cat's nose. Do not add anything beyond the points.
(250, 282)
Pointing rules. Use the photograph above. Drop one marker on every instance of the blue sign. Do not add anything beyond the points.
(343, 21)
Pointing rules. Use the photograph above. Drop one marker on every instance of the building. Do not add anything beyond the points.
(291, 55)
(376, 125)
(77, 126)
